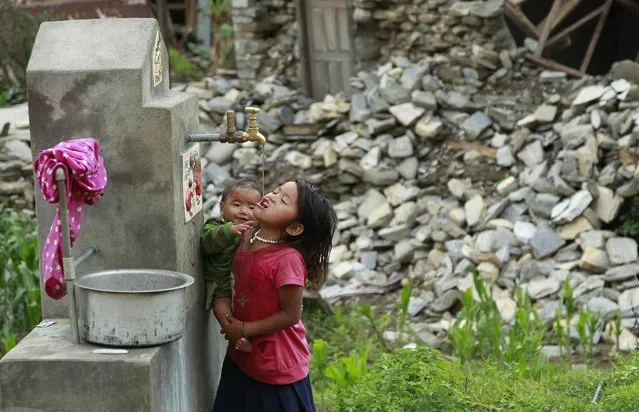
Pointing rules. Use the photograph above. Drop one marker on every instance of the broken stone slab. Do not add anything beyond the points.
(406, 113)
(545, 242)
(568, 210)
(621, 273)
(621, 250)
(594, 260)
(476, 124)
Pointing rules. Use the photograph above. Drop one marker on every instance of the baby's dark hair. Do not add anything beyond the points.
(241, 183)
(320, 221)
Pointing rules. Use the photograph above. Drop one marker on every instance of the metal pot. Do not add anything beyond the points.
(132, 307)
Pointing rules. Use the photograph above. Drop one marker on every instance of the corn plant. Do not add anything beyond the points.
(404, 300)
(19, 276)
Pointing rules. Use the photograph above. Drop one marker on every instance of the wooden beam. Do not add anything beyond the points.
(521, 20)
(566, 32)
(569, 6)
(629, 4)
(547, 28)
(595, 37)
(552, 65)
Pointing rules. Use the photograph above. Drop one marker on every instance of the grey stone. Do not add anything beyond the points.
(476, 124)
(415, 305)
(604, 308)
(445, 301)
(545, 113)
(428, 129)
(408, 168)
(545, 242)
(372, 200)
(369, 259)
(406, 113)
(505, 157)
(589, 94)
(532, 154)
(569, 209)
(400, 147)
(412, 77)
(621, 250)
(621, 273)
(216, 175)
(19, 150)
(542, 288)
(393, 93)
(219, 105)
(359, 108)
(424, 99)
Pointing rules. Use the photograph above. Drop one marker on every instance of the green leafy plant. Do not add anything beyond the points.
(404, 300)
(617, 329)
(345, 371)
(223, 51)
(525, 337)
(630, 228)
(587, 325)
(477, 333)
(182, 66)
(378, 324)
(19, 280)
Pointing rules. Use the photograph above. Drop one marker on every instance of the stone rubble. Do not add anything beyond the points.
(523, 179)
(466, 157)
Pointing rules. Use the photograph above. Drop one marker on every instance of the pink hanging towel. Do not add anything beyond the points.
(86, 180)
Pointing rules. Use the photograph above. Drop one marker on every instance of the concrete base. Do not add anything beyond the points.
(46, 372)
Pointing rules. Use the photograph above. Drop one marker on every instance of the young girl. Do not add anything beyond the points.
(288, 246)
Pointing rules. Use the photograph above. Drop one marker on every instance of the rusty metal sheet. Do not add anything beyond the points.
(89, 9)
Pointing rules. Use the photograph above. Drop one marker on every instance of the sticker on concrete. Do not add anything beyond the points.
(157, 61)
(192, 182)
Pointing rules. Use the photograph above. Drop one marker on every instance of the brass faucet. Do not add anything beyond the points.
(253, 133)
(232, 135)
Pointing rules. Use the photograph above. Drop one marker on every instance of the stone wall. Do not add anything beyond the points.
(265, 39)
(266, 32)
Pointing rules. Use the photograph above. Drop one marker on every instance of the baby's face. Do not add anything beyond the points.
(238, 206)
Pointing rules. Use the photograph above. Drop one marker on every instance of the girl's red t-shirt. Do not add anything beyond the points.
(282, 357)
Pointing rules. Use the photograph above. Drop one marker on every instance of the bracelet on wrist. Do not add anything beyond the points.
(243, 331)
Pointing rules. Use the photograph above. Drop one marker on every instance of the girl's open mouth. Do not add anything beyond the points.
(263, 203)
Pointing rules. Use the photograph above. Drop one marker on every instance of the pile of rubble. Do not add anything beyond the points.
(434, 168)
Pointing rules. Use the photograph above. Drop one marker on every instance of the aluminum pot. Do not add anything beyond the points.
(132, 307)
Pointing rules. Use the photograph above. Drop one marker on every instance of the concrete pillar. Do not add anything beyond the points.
(109, 79)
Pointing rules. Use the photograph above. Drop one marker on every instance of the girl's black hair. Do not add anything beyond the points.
(241, 183)
(320, 221)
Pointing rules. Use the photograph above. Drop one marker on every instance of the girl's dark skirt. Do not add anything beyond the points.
(238, 392)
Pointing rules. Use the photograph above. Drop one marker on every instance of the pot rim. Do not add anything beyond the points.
(187, 279)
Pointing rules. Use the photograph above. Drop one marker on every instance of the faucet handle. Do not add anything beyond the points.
(252, 110)
(230, 123)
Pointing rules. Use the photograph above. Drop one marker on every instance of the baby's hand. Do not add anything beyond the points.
(243, 345)
(239, 228)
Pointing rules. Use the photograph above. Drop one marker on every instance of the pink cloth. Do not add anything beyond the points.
(86, 180)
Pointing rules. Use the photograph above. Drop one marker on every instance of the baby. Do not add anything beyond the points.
(219, 240)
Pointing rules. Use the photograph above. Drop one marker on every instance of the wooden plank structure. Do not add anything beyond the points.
(327, 54)
(559, 11)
